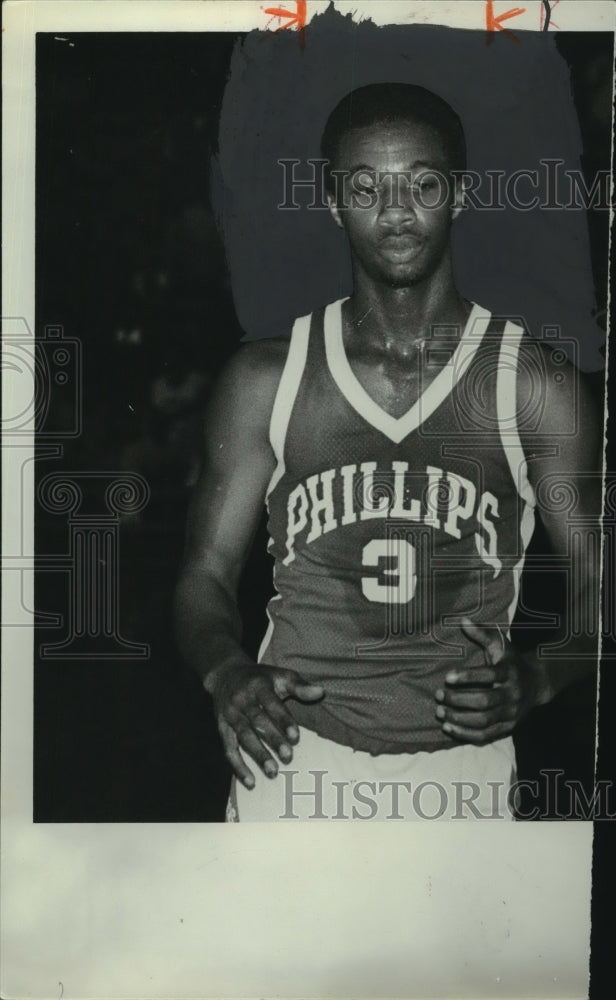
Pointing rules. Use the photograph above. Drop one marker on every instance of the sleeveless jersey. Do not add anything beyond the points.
(387, 531)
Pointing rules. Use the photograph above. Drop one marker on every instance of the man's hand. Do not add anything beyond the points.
(482, 704)
(248, 703)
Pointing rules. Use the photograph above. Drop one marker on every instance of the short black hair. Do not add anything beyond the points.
(384, 103)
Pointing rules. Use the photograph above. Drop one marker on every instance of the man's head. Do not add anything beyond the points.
(391, 150)
(389, 104)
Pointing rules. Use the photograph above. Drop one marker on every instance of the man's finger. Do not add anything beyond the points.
(233, 755)
(491, 640)
(250, 742)
(267, 729)
(478, 700)
(281, 716)
(469, 718)
(287, 684)
(476, 676)
(478, 736)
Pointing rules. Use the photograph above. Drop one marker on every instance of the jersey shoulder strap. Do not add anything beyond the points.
(507, 408)
(287, 392)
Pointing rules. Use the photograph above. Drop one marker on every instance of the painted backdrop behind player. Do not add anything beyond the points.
(396, 439)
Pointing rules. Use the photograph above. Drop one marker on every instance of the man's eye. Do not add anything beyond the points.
(426, 185)
(428, 192)
(365, 184)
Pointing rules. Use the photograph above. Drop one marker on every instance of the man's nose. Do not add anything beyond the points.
(398, 201)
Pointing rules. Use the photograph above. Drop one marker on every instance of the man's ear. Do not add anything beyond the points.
(459, 198)
(334, 210)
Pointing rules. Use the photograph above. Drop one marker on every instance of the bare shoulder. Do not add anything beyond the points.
(262, 357)
(552, 393)
(244, 393)
(254, 371)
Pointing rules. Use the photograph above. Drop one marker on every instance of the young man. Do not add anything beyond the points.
(403, 440)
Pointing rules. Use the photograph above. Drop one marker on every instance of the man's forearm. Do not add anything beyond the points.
(568, 658)
(554, 673)
(208, 626)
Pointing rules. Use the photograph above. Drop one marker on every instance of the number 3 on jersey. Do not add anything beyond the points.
(394, 558)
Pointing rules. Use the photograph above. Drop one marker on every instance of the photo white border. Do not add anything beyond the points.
(194, 910)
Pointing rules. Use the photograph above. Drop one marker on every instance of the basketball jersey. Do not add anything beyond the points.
(387, 531)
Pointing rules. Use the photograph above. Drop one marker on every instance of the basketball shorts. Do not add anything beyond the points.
(327, 781)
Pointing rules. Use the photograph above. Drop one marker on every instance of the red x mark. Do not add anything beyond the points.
(493, 23)
(297, 17)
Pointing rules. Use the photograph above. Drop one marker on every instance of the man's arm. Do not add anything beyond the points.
(561, 467)
(566, 480)
(225, 510)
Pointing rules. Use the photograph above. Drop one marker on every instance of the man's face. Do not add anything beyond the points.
(397, 205)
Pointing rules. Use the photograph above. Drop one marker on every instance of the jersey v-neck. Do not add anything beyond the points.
(397, 428)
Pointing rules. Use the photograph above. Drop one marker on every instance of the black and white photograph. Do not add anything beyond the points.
(308, 548)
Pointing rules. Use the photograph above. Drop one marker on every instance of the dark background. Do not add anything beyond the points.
(130, 262)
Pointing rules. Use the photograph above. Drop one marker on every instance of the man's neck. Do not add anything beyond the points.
(400, 318)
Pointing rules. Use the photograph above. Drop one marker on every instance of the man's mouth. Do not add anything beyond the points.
(401, 246)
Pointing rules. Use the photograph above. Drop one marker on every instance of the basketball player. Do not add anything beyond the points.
(402, 440)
